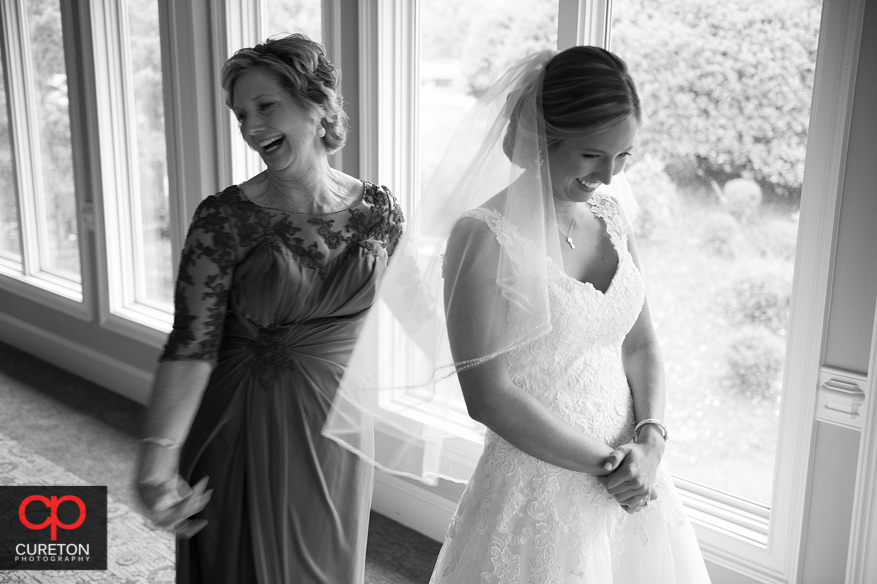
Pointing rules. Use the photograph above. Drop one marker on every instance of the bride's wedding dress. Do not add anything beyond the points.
(524, 520)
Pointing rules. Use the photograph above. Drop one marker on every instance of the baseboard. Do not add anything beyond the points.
(412, 505)
(117, 376)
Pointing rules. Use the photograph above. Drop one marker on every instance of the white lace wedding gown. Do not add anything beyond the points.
(522, 520)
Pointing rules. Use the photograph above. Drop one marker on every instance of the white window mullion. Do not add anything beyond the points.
(115, 140)
(583, 22)
(244, 22)
(178, 220)
(127, 215)
(389, 93)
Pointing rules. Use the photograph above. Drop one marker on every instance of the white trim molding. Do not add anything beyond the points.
(862, 557)
(584, 22)
(412, 505)
(840, 398)
(389, 98)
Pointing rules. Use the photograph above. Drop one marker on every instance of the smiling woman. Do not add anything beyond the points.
(552, 344)
(276, 278)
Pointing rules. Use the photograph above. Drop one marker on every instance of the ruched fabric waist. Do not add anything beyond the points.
(268, 351)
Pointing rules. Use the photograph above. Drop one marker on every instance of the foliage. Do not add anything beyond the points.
(50, 85)
(741, 197)
(9, 231)
(507, 30)
(755, 361)
(302, 16)
(762, 297)
(778, 238)
(725, 85)
(656, 195)
(720, 235)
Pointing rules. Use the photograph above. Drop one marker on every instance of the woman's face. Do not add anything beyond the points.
(578, 166)
(274, 124)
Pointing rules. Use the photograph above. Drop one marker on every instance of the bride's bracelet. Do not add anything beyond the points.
(655, 422)
(164, 442)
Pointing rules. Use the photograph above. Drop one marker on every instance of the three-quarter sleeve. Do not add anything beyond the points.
(203, 284)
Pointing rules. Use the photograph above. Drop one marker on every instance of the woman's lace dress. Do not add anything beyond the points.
(276, 301)
(523, 520)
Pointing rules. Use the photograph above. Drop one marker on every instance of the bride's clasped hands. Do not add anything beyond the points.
(632, 471)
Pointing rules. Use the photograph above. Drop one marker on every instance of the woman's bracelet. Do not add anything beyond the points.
(654, 421)
(165, 442)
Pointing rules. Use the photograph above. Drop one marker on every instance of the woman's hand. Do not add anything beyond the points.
(168, 498)
(634, 469)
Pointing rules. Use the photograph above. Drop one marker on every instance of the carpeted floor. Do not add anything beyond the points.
(55, 426)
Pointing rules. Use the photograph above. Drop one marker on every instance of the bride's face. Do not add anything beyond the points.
(578, 166)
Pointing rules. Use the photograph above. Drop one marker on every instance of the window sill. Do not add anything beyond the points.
(46, 289)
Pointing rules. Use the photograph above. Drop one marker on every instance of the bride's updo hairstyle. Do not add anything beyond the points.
(584, 90)
(301, 67)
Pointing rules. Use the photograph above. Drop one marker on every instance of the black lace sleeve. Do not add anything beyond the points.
(203, 283)
(393, 217)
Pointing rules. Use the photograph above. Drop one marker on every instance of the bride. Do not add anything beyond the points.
(545, 325)
(555, 350)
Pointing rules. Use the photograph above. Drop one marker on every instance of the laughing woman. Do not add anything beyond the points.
(276, 277)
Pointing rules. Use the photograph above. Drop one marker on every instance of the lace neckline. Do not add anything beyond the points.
(609, 219)
(356, 203)
(601, 205)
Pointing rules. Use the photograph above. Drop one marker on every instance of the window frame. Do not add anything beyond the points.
(744, 536)
(26, 276)
(116, 149)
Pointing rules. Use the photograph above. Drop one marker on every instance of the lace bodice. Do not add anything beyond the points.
(274, 270)
(577, 366)
(533, 513)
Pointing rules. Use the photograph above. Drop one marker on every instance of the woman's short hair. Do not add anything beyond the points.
(584, 90)
(302, 68)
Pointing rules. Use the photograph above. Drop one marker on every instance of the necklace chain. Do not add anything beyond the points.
(568, 233)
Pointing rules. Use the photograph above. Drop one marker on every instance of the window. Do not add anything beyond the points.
(136, 194)
(465, 47)
(740, 521)
(38, 207)
(288, 16)
(417, 93)
(719, 184)
(10, 241)
(153, 276)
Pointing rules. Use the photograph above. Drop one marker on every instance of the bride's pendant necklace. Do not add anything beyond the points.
(568, 234)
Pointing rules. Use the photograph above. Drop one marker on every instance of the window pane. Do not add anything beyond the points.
(288, 16)
(726, 89)
(466, 46)
(10, 232)
(56, 200)
(150, 221)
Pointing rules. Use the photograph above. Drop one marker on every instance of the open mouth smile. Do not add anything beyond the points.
(270, 144)
(588, 184)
